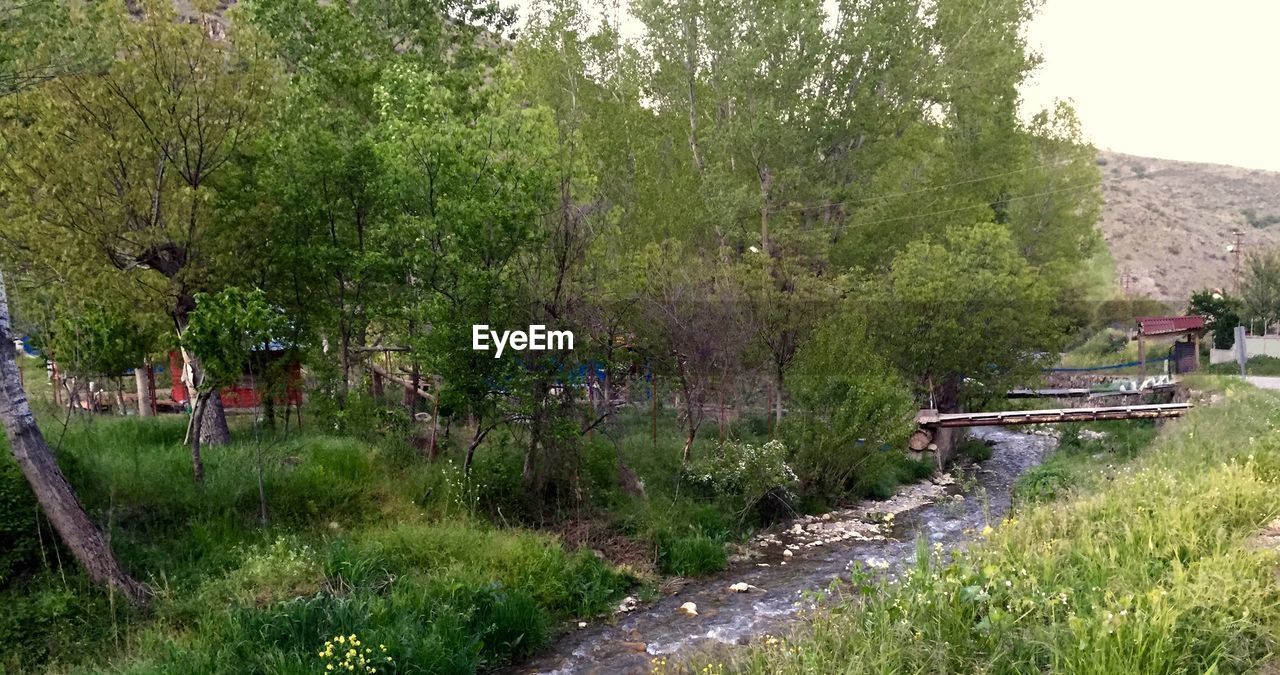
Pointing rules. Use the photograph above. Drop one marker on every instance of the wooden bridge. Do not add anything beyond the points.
(936, 420)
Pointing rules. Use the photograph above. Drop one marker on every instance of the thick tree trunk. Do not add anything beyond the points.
(55, 496)
(146, 397)
(213, 429)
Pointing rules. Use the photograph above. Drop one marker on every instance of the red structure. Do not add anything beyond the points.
(1186, 353)
(1165, 325)
(243, 394)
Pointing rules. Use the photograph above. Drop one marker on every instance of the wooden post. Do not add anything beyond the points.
(1142, 355)
(653, 400)
(1195, 349)
(56, 379)
(435, 416)
(720, 390)
(768, 408)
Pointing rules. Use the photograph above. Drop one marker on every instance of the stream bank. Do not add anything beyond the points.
(804, 555)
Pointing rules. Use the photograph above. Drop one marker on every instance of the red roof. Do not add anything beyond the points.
(1163, 325)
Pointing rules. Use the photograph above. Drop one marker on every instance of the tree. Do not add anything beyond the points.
(1221, 314)
(964, 316)
(97, 340)
(224, 330)
(120, 164)
(849, 401)
(56, 498)
(691, 326)
(1260, 288)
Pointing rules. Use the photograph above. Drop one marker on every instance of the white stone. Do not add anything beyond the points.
(689, 608)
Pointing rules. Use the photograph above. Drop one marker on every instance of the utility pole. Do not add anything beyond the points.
(1234, 249)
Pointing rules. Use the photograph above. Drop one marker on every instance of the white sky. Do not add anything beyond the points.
(1196, 80)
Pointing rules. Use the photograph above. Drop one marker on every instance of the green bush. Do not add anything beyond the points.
(691, 555)
(845, 407)
(1042, 484)
(974, 450)
(19, 525)
(743, 475)
(881, 471)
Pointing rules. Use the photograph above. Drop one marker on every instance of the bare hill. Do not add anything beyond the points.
(1169, 224)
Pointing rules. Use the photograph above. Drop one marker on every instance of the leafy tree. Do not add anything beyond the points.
(1260, 288)
(121, 164)
(1221, 313)
(964, 316)
(849, 400)
(226, 328)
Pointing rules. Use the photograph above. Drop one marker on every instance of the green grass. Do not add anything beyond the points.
(1110, 347)
(361, 539)
(1256, 365)
(1146, 568)
(1082, 458)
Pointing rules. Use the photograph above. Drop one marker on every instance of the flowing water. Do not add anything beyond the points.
(804, 555)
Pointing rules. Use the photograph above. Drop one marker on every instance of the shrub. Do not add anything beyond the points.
(743, 474)
(281, 570)
(843, 406)
(19, 528)
(881, 471)
(692, 555)
(974, 450)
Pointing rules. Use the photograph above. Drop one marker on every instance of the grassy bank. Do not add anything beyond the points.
(1147, 568)
(360, 541)
(434, 571)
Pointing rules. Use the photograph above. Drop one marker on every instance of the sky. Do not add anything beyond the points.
(1195, 80)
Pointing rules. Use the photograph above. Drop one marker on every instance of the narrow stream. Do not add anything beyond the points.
(803, 555)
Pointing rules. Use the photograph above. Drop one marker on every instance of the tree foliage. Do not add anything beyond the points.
(1221, 313)
(726, 199)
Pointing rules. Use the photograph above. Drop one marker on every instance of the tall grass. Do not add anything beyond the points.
(1151, 571)
(358, 541)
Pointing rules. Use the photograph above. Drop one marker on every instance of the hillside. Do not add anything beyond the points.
(1169, 224)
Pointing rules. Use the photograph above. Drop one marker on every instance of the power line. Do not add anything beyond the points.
(931, 188)
(1070, 188)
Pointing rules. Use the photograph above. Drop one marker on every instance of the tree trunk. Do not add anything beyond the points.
(476, 440)
(777, 399)
(213, 428)
(55, 496)
(146, 398)
(688, 443)
(199, 413)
